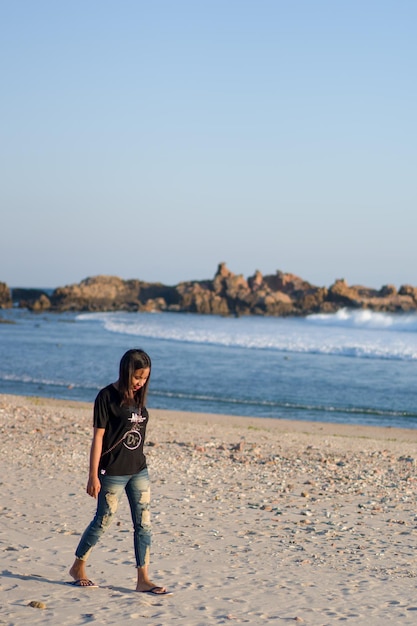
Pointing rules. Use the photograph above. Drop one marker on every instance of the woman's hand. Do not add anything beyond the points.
(93, 486)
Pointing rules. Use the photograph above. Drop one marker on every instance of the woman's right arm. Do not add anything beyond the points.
(93, 485)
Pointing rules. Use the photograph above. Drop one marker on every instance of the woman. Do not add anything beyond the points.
(117, 464)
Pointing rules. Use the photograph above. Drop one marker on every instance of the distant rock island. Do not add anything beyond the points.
(228, 294)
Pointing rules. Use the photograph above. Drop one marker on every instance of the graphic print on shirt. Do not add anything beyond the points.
(133, 438)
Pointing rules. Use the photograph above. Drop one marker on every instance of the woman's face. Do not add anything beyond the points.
(139, 378)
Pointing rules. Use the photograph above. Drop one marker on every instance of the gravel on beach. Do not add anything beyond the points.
(288, 503)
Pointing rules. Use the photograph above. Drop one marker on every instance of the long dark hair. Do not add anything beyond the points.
(131, 361)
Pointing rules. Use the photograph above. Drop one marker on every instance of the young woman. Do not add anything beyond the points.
(117, 464)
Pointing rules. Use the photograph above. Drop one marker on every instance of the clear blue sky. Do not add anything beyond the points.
(154, 139)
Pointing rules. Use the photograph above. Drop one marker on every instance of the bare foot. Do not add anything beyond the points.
(145, 585)
(78, 571)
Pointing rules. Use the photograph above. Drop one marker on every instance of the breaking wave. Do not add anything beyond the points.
(357, 334)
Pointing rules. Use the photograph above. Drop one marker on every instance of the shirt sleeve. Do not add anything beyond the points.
(101, 410)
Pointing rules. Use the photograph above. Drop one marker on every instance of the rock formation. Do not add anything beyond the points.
(279, 294)
(5, 296)
(34, 299)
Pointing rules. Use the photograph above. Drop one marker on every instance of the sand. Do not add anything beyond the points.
(255, 521)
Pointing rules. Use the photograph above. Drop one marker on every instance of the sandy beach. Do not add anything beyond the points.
(255, 521)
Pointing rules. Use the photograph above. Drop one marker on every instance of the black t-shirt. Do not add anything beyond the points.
(124, 435)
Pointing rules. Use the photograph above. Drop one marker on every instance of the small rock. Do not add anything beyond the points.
(37, 605)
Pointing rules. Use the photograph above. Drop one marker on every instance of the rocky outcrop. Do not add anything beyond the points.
(386, 299)
(279, 294)
(5, 297)
(110, 293)
(32, 299)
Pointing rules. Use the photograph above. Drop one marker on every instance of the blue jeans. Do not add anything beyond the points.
(138, 493)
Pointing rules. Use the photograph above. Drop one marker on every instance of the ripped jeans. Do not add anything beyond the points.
(138, 493)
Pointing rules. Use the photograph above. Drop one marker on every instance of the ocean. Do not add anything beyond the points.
(354, 367)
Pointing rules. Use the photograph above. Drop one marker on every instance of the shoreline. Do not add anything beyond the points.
(255, 521)
(276, 425)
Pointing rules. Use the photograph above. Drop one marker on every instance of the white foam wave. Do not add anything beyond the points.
(403, 322)
(25, 378)
(47, 382)
(360, 334)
